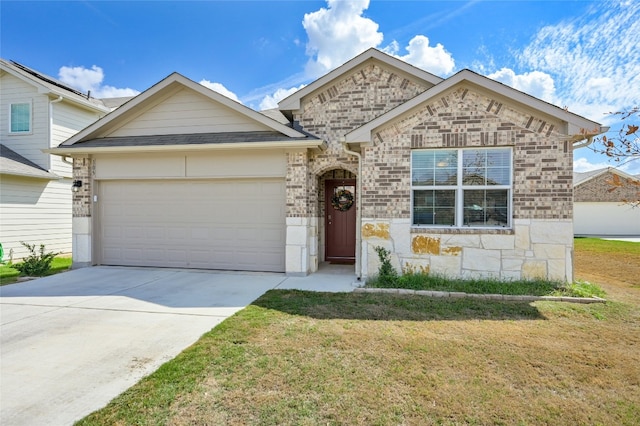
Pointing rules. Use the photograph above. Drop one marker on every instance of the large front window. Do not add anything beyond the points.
(461, 187)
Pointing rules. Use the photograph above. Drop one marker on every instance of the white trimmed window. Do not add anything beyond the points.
(461, 187)
(20, 118)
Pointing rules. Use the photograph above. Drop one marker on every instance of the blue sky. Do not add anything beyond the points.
(580, 54)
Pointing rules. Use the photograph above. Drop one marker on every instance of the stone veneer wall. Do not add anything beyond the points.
(540, 243)
(603, 189)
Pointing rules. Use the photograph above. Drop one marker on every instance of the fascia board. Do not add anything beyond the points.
(71, 151)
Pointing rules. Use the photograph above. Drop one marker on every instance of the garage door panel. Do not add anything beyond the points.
(194, 224)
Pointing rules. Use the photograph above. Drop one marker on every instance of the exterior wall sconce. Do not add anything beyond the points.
(77, 184)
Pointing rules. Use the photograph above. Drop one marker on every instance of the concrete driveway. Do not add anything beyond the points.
(72, 342)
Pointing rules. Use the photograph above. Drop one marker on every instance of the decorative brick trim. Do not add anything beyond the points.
(83, 169)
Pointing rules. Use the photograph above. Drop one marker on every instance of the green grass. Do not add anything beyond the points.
(9, 275)
(489, 286)
(301, 358)
(610, 247)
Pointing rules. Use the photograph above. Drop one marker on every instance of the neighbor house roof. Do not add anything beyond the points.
(580, 178)
(51, 86)
(578, 127)
(292, 102)
(12, 163)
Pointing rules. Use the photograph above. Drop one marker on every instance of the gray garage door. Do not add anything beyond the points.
(208, 224)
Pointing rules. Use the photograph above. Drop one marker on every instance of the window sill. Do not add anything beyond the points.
(461, 231)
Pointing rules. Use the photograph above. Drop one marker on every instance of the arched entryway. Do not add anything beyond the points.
(337, 213)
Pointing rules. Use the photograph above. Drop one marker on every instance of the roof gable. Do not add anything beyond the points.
(293, 101)
(50, 86)
(178, 105)
(577, 127)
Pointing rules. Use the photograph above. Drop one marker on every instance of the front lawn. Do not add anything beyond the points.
(299, 358)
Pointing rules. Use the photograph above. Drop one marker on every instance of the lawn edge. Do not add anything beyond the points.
(460, 295)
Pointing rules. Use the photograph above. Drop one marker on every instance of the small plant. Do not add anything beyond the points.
(36, 264)
(581, 289)
(387, 274)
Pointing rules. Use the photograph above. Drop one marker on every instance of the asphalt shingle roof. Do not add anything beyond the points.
(186, 139)
(12, 163)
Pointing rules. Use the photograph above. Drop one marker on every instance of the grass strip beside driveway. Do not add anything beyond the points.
(9, 275)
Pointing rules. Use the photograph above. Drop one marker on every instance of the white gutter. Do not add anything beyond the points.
(358, 209)
(589, 140)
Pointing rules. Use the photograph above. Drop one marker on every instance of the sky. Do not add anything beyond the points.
(579, 54)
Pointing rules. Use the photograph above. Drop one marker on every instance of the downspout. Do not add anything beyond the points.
(55, 101)
(358, 211)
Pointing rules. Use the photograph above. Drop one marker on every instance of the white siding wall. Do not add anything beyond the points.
(35, 211)
(615, 219)
(187, 112)
(67, 121)
(14, 90)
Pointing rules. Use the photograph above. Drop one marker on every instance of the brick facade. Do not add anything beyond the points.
(463, 118)
(83, 170)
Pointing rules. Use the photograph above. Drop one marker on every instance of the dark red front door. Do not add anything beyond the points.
(340, 220)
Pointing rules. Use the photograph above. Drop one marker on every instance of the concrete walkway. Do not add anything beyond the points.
(72, 342)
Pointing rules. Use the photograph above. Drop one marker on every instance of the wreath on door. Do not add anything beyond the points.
(342, 200)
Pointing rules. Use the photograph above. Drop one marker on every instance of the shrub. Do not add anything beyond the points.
(36, 264)
(387, 274)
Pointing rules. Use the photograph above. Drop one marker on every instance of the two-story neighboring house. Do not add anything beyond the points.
(36, 113)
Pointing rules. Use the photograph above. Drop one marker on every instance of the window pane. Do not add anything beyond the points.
(432, 207)
(486, 167)
(20, 117)
(434, 167)
(488, 207)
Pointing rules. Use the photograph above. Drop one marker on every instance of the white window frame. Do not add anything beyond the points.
(22, 132)
(459, 189)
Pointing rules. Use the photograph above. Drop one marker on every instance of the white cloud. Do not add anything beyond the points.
(337, 34)
(535, 83)
(217, 87)
(340, 32)
(592, 58)
(434, 59)
(271, 101)
(583, 164)
(85, 80)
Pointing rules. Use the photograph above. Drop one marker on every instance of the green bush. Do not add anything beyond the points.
(387, 274)
(36, 264)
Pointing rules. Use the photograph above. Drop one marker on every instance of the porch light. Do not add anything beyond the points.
(77, 184)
